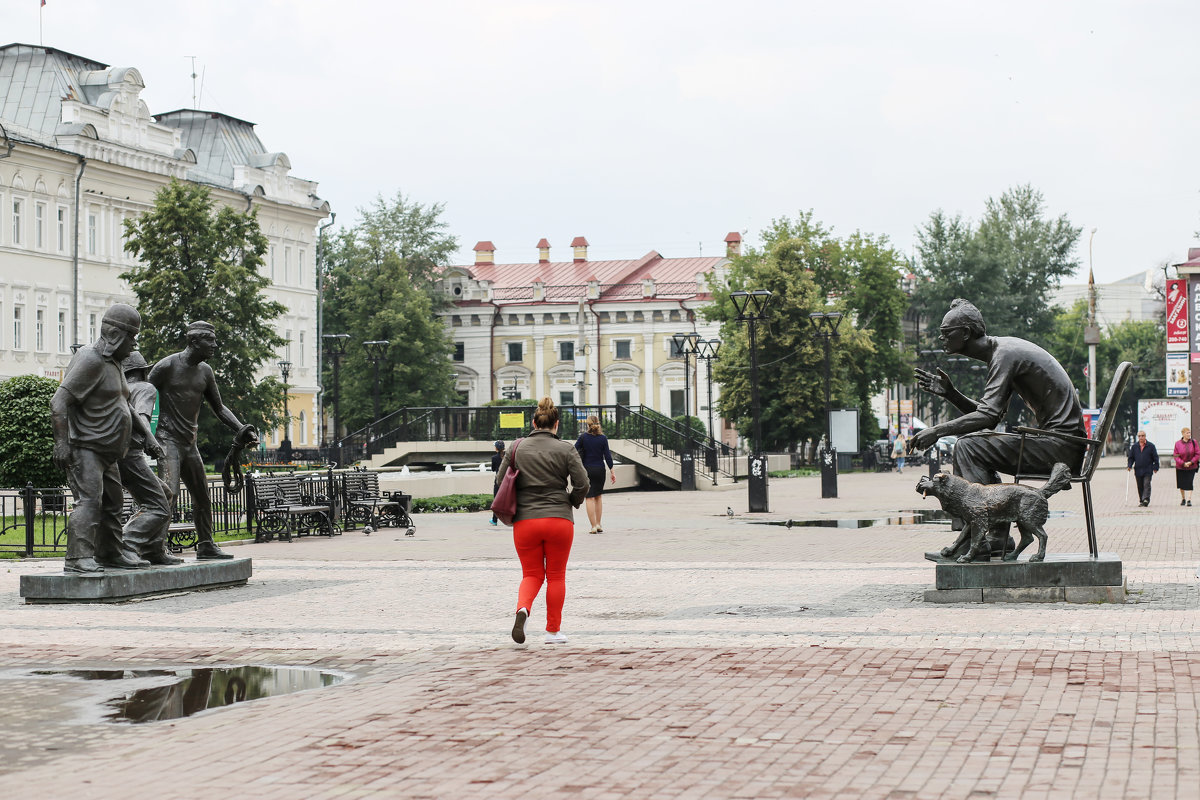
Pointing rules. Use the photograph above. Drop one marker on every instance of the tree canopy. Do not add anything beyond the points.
(201, 262)
(379, 285)
(809, 270)
(26, 435)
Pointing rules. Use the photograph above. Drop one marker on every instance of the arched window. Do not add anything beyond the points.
(303, 428)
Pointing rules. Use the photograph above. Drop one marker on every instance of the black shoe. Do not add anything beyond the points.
(518, 631)
(208, 551)
(162, 559)
(123, 562)
(83, 567)
(1183, 502)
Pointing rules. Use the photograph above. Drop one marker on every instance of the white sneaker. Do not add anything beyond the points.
(518, 631)
(558, 637)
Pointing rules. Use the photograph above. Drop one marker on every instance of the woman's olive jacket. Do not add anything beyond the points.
(546, 463)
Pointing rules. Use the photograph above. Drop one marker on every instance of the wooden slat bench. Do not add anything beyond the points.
(366, 505)
(283, 506)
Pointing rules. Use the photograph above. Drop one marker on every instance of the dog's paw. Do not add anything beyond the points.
(947, 552)
(965, 558)
(1010, 556)
(1036, 558)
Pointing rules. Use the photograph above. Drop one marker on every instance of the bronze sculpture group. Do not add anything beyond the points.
(1013, 366)
(101, 419)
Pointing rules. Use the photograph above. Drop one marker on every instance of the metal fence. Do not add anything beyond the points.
(33, 520)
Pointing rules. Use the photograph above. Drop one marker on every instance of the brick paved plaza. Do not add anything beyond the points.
(709, 657)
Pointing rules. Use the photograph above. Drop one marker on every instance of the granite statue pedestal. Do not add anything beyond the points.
(1062, 577)
(115, 586)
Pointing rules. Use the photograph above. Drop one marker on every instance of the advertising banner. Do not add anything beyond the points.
(1162, 420)
(1177, 315)
(1178, 375)
(1194, 325)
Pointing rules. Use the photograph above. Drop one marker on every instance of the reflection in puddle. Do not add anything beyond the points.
(915, 517)
(158, 694)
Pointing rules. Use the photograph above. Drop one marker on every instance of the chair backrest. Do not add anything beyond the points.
(1108, 412)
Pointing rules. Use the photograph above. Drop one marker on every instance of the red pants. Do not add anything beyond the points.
(543, 545)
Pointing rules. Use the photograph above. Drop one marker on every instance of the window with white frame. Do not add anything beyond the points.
(1, 326)
(622, 397)
(39, 226)
(18, 207)
(39, 330)
(623, 349)
(287, 347)
(271, 259)
(62, 229)
(18, 337)
(62, 331)
(287, 265)
(300, 343)
(303, 428)
(301, 275)
(566, 351)
(516, 351)
(566, 398)
(460, 352)
(93, 233)
(91, 328)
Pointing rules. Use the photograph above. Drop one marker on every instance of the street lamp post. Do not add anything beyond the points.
(335, 345)
(751, 307)
(687, 345)
(377, 352)
(285, 446)
(825, 325)
(708, 351)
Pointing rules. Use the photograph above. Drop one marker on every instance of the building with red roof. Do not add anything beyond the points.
(582, 331)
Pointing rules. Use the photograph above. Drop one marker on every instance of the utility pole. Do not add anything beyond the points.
(1091, 334)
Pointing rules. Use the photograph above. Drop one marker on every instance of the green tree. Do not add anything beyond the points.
(200, 262)
(1008, 265)
(806, 267)
(1145, 345)
(379, 285)
(26, 436)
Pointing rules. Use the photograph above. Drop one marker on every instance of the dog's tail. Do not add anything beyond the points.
(1060, 478)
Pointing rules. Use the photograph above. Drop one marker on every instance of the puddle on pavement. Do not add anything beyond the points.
(913, 517)
(160, 694)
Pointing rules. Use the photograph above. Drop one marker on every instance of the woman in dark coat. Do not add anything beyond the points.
(593, 449)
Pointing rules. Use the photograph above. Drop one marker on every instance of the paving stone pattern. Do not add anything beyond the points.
(709, 658)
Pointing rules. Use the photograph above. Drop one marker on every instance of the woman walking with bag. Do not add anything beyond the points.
(543, 527)
(1187, 459)
(592, 445)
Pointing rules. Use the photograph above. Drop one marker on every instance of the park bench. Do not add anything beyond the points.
(366, 505)
(285, 505)
(180, 535)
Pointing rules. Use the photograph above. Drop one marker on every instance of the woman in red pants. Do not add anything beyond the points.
(543, 527)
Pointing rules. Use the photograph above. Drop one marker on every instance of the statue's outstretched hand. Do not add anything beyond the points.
(923, 440)
(938, 384)
(154, 449)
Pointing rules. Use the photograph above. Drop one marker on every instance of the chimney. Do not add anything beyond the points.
(733, 244)
(485, 253)
(580, 245)
(543, 247)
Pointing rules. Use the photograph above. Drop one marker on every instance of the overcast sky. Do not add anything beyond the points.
(665, 125)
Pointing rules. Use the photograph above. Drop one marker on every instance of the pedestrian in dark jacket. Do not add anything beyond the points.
(592, 445)
(1143, 460)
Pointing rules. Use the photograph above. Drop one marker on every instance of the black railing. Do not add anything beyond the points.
(641, 425)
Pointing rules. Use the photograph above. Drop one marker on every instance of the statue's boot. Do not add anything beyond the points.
(208, 551)
(123, 561)
(158, 555)
(83, 567)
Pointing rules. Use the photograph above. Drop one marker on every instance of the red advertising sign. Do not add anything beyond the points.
(1177, 314)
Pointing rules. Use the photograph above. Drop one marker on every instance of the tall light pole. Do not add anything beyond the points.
(335, 345)
(377, 352)
(687, 345)
(751, 307)
(285, 446)
(708, 351)
(1091, 335)
(825, 325)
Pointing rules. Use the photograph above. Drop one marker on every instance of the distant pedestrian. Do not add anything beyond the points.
(898, 453)
(1143, 460)
(592, 445)
(1187, 459)
(497, 457)
(543, 527)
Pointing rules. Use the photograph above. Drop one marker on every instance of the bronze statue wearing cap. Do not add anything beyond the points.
(93, 422)
(1013, 365)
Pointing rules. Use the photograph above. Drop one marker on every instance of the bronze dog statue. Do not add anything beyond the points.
(982, 505)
